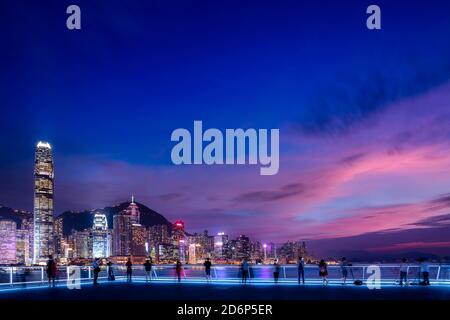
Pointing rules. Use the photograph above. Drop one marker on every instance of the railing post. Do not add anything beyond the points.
(438, 273)
(284, 271)
(11, 276)
(42, 274)
(215, 272)
(89, 273)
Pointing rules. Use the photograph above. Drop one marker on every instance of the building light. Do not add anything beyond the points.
(43, 144)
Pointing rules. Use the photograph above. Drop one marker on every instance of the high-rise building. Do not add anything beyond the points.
(122, 234)
(159, 241)
(82, 241)
(28, 225)
(101, 237)
(242, 248)
(8, 241)
(139, 237)
(133, 211)
(220, 245)
(179, 240)
(23, 246)
(43, 203)
(58, 236)
(122, 229)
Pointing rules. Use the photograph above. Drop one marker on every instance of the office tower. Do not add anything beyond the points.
(7, 241)
(290, 251)
(242, 248)
(179, 240)
(195, 253)
(28, 225)
(159, 241)
(139, 237)
(122, 234)
(101, 237)
(220, 245)
(82, 244)
(58, 236)
(43, 203)
(23, 246)
(133, 211)
(159, 234)
(256, 251)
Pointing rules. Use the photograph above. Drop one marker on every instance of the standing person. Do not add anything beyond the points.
(96, 269)
(276, 271)
(207, 265)
(51, 271)
(425, 271)
(301, 269)
(323, 271)
(344, 269)
(129, 265)
(111, 276)
(148, 269)
(244, 270)
(403, 272)
(178, 269)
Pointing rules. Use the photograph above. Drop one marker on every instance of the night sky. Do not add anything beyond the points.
(364, 116)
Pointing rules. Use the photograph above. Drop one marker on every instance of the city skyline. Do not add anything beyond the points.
(363, 116)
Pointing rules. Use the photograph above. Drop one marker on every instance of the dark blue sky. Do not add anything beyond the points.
(108, 96)
(139, 69)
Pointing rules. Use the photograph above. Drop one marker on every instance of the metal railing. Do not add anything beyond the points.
(389, 274)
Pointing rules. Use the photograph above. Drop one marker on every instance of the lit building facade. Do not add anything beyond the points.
(179, 241)
(220, 245)
(58, 236)
(101, 237)
(139, 237)
(23, 246)
(82, 241)
(242, 248)
(133, 211)
(8, 242)
(43, 203)
(122, 234)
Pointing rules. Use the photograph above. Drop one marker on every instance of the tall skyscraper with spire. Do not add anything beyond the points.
(43, 202)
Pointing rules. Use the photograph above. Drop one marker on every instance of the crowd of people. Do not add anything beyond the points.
(245, 271)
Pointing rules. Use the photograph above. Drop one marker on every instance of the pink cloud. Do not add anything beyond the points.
(379, 175)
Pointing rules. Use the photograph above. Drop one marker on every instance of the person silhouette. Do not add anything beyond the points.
(244, 270)
(51, 271)
(323, 271)
(301, 269)
(276, 271)
(148, 269)
(178, 269)
(96, 270)
(129, 266)
(207, 265)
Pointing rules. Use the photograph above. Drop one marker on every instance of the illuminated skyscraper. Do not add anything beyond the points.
(43, 203)
(122, 235)
(82, 244)
(139, 236)
(100, 237)
(179, 240)
(23, 246)
(7, 242)
(220, 245)
(133, 211)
